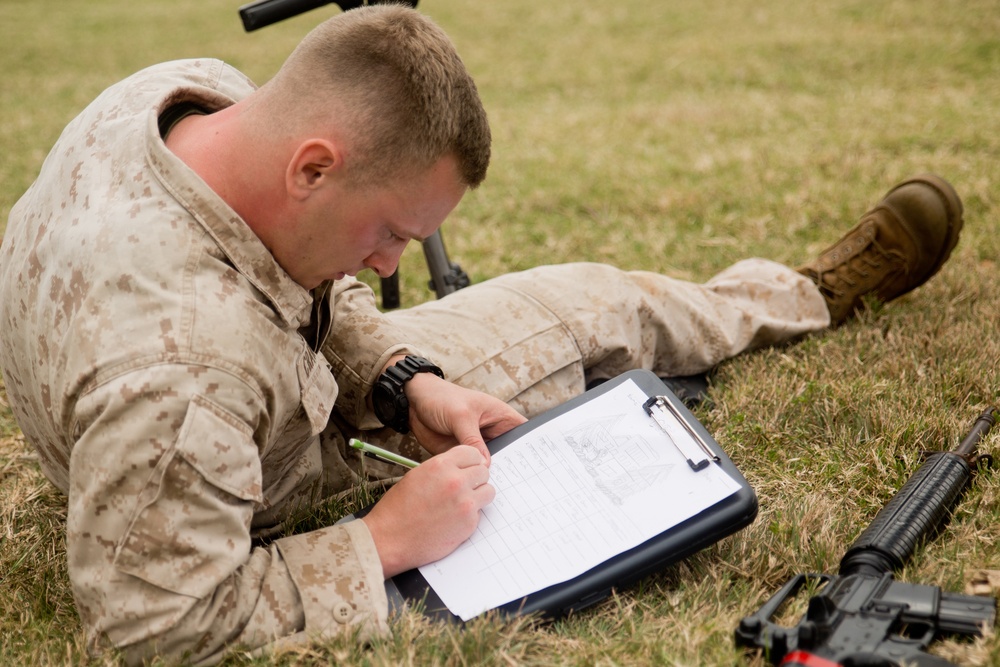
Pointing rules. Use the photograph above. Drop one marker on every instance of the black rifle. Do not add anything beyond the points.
(265, 12)
(863, 617)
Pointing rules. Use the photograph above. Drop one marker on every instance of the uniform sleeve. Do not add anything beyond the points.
(361, 342)
(165, 477)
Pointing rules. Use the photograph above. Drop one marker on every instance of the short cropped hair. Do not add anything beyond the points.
(405, 92)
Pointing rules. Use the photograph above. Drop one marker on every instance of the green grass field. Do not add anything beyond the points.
(672, 136)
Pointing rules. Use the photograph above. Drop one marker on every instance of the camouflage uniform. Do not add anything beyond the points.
(180, 387)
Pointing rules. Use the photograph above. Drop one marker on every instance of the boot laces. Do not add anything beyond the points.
(859, 268)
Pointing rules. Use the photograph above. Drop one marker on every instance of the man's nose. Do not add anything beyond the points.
(384, 263)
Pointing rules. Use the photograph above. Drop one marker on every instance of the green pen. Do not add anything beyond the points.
(383, 454)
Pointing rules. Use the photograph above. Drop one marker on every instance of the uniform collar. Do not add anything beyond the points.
(249, 256)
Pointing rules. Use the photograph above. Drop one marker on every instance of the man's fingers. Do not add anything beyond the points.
(465, 456)
(478, 475)
(468, 434)
(483, 451)
(485, 494)
(508, 419)
(474, 468)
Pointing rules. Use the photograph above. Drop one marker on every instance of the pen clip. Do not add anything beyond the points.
(688, 441)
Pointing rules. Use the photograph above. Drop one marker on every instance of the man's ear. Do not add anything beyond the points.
(311, 166)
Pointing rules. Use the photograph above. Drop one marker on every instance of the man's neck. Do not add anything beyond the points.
(213, 147)
(197, 140)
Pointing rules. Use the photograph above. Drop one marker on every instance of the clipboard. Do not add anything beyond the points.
(682, 540)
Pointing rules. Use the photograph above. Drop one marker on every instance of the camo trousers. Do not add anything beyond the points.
(536, 338)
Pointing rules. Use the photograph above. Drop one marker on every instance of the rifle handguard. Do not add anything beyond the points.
(918, 511)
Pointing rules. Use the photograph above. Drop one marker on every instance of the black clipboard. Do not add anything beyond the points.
(700, 531)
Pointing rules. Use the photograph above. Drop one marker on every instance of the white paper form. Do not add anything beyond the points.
(574, 492)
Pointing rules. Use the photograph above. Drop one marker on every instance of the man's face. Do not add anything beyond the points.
(346, 229)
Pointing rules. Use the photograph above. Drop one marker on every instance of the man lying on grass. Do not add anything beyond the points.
(188, 350)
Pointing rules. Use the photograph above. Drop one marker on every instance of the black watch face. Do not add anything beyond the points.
(391, 407)
(385, 407)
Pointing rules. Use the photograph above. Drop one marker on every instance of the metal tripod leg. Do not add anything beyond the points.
(446, 276)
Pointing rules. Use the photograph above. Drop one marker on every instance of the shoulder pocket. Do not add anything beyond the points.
(190, 529)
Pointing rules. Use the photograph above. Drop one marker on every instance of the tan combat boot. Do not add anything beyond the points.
(895, 247)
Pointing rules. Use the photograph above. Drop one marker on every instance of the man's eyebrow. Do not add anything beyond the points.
(403, 234)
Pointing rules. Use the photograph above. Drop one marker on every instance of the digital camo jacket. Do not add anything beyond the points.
(178, 384)
(168, 372)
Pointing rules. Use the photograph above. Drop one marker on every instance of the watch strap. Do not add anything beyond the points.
(403, 370)
(394, 408)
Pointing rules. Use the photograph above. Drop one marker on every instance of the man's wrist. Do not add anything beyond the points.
(388, 394)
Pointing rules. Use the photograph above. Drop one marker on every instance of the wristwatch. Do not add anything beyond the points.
(391, 405)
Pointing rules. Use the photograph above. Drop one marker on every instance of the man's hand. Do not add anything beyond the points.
(432, 510)
(443, 414)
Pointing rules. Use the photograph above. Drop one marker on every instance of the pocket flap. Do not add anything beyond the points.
(191, 527)
(214, 442)
(319, 390)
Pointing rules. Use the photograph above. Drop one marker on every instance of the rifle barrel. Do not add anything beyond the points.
(918, 510)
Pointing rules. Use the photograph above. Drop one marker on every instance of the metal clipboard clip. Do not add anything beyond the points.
(677, 427)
